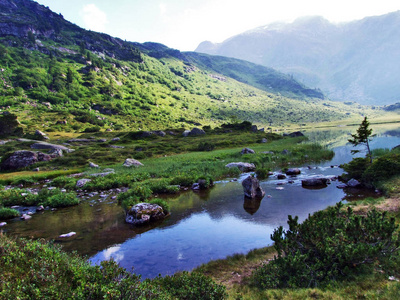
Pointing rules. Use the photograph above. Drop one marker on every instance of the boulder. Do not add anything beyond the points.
(186, 133)
(144, 213)
(116, 139)
(55, 153)
(293, 172)
(159, 133)
(22, 159)
(315, 182)
(244, 167)
(44, 145)
(41, 135)
(247, 151)
(296, 134)
(281, 176)
(3, 224)
(93, 165)
(253, 128)
(196, 131)
(26, 217)
(353, 183)
(251, 188)
(129, 162)
(81, 182)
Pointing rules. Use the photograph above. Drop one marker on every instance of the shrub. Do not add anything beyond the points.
(329, 245)
(382, 169)
(262, 173)
(59, 199)
(8, 213)
(205, 146)
(356, 167)
(192, 286)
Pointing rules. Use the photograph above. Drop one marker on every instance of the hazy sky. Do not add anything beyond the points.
(183, 24)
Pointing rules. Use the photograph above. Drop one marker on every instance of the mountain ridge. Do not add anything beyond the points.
(353, 61)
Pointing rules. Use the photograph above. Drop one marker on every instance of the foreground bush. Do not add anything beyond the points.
(8, 213)
(329, 245)
(35, 270)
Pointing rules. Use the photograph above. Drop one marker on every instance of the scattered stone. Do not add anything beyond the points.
(40, 208)
(244, 167)
(116, 139)
(160, 133)
(281, 176)
(252, 188)
(41, 135)
(264, 140)
(341, 186)
(102, 174)
(116, 147)
(186, 133)
(56, 153)
(353, 183)
(93, 165)
(293, 172)
(143, 213)
(319, 181)
(279, 188)
(129, 162)
(26, 217)
(196, 131)
(44, 145)
(247, 151)
(66, 235)
(291, 181)
(268, 152)
(3, 224)
(285, 152)
(36, 170)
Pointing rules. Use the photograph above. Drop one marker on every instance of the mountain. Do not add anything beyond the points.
(354, 61)
(56, 76)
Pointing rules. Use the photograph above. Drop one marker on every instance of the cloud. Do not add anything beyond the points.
(94, 18)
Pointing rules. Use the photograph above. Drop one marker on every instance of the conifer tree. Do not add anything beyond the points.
(362, 137)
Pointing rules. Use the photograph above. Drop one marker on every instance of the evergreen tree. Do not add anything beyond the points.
(362, 137)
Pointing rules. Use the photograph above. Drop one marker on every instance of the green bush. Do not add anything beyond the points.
(381, 169)
(329, 245)
(59, 199)
(192, 286)
(8, 213)
(356, 168)
(262, 173)
(205, 146)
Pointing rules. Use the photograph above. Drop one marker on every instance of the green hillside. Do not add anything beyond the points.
(56, 76)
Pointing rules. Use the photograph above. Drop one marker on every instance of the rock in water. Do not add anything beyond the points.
(293, 172)
(65, 235)
(322, 181)
(144, 213)
(251, 188)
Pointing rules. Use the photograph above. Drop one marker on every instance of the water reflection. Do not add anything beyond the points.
(251, 205)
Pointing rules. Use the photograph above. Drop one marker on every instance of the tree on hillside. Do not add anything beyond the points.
(363, 135)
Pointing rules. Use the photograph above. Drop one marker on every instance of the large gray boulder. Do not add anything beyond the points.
(251, 188)
(144, 213)
(22, 159)
(353, 183)
(82, 182)
(130, 162)
(244, 167)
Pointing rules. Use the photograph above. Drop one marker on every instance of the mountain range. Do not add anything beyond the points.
(353, 61)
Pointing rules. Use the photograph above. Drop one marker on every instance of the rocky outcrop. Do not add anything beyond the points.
(251, 188)
(130, 162)
(41, 135)
(144, 213)
(247, 151)
(9, 125)
(22, 159)
(242, 166)
(294, 134)
(353, 183)
(82, 182)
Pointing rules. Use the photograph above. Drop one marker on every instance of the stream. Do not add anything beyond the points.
(203, 226)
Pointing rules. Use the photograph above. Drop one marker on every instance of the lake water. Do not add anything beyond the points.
(202, 227)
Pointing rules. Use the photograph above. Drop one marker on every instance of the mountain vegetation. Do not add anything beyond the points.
(354, 61)
(57, 77)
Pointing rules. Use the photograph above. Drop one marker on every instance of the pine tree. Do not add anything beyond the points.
(362, 137)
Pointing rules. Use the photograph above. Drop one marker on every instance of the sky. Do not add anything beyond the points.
(184, 24)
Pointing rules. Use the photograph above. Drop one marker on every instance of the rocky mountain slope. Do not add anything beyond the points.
(355, 61)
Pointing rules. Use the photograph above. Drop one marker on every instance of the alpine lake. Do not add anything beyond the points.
(205, 225)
